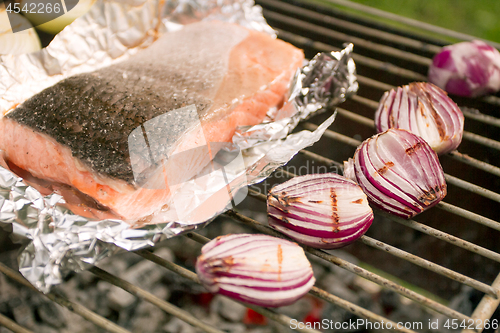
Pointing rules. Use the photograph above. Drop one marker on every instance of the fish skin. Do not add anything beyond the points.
(96, 124)
(80, 126)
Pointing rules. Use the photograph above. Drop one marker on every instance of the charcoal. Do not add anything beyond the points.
(148, 318)
(297, 310)
(35, 312)
(50, 314)
(175, 325)
(23, 313)
(228, 309)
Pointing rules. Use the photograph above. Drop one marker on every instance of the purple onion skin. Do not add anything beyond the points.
(399, 172)
(255, 269)
(325, 211)
(425, 110)
(467, 69)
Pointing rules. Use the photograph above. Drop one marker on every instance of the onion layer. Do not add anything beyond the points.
(467, 69)
(24, 41)
(425, 110)
(399, 172)
(53, 20)
(325, 211)
(256, 269)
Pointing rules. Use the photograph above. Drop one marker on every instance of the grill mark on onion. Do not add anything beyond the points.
(386, 167)
(270, 272)
(413, 148)
(278, 207)
(323, 217)
(441, 127)
(335, 216)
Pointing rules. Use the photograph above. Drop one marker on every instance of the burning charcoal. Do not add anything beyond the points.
(46, 329)
(342, 274)
(228, 308)
(161, 291)
(147, 318)
(143, 274)
(333, 285)
(50, 314)
(234, 328)
(175, 325)
(120, 299)
(23, 313)
(298, 309)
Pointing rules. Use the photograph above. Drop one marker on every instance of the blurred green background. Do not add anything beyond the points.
(480, 18)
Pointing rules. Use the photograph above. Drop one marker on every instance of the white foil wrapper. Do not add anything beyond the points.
(57, 240)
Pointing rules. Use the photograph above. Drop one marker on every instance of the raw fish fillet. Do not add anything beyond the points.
(73, 138)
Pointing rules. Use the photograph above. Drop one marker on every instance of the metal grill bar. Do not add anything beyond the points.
(377, 64)
(305, 42)
(73, 307)
(430, 266)
(165, 306)
(469, 215)
(347, 38)
(482, 140)
(487, 306)
(444, 236)
(375, 33)
(494, 170)
(407, 21)
(11, 325)
(484, 118)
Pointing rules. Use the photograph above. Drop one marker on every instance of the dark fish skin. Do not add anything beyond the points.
(94, 113)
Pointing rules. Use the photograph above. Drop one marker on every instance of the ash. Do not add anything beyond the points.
(36, 312)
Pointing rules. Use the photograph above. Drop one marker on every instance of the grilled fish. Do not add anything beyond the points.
(74, 138)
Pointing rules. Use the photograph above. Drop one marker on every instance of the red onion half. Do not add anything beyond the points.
(256, 269)
(399, 172)
(467, 69)
(425, 110)
(325, 211)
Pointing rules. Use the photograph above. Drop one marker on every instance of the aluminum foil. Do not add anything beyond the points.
(57, 241)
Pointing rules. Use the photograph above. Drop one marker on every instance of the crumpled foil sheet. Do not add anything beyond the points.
(58, 241)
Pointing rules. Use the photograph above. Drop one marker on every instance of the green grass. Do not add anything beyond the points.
(478, 18)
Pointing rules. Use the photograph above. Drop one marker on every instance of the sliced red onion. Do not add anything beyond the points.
(399, 172)
(256, 269)
(425, 110)
(325, 211)
(467, 69)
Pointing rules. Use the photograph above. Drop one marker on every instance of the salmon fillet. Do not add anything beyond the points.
(74, 138)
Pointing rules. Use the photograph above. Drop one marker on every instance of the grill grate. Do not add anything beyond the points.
(385, 57)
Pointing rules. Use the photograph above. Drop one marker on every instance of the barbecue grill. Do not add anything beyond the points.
(452, 245)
